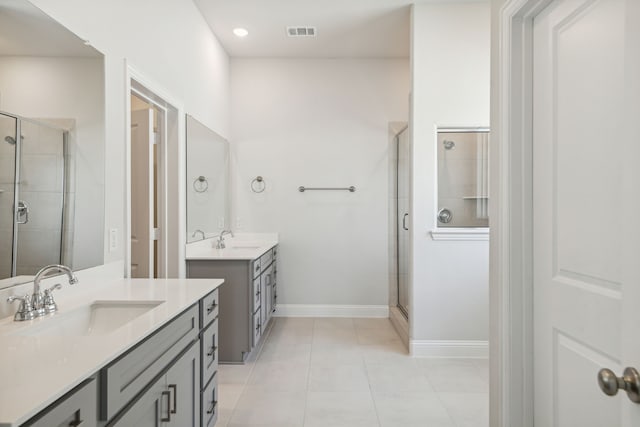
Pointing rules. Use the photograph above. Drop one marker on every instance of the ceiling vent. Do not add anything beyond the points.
(301, 31)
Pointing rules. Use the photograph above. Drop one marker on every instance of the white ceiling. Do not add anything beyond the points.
(345, 28)
(26, 31)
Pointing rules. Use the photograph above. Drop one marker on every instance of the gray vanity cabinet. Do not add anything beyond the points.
(169, 379)
(246, 301)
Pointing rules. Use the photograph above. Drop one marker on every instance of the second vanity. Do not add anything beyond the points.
(248, 265)
(120, 353)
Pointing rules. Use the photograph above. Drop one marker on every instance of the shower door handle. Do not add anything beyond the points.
(404, 222)
(22, 212)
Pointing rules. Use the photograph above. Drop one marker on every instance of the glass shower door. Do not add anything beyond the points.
(403, 189)
(8, 134)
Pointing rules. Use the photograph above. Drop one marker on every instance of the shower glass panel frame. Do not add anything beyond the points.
(462, 178)
(403, 186)
(34, 214)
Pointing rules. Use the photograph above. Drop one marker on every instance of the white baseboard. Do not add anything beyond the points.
(452, 349)
(318, 310)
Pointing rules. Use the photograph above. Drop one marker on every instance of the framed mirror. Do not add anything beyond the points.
(51, 146)
(463, 177)
(208, 203)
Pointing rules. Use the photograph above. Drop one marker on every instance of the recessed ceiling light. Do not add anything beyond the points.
(240, 32)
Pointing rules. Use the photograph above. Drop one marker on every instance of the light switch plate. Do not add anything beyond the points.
(113, 239)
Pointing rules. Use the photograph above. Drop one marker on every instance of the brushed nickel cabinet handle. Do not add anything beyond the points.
(175, 398)
(168, 395)
(211, 307)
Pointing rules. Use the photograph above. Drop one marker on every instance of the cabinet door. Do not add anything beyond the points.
(209, 352)
(264, 284)
(274, 293)
(148, 409)
(269, 300)
(183, 385)
(257, 331)
(256, 295)
(210, 403)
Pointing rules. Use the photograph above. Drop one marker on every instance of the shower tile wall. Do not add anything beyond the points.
(7, 175)
(41, 187)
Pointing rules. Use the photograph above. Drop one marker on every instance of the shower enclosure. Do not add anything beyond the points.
(32, 195)
(403, 181)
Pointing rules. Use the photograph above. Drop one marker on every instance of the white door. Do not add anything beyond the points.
(586, 209)
(142, 236)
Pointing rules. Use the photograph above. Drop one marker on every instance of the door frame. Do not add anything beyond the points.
(172, 206)
(511, 216)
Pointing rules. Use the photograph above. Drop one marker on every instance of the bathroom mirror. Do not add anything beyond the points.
(463, 177)
(51, 146)
(207, 182)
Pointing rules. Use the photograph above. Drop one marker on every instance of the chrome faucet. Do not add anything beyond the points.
(200, 232)
(41, 303)
(220, 242)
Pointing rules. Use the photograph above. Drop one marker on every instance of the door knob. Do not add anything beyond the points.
(629, 382)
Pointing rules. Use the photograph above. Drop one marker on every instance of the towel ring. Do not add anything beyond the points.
(200, 184)
(258, 185)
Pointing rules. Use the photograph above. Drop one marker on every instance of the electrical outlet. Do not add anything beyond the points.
(221, 223)
(238, 223)
(113, 239)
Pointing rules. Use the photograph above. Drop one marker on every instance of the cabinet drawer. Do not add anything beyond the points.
(78, 408)
(256, 267)
(121, 381)
(257, 328)
(209, 353)
(256, 295)
(209, 308)
(209, 403)
(265, 260)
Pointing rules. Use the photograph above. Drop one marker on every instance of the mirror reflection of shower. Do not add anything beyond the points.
(463, 177)
(34, 197)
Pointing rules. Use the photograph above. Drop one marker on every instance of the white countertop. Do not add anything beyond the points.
(37, 370)
(16, 280)
(239, 247)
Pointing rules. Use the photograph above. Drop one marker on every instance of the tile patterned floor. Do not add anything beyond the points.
(350, 373)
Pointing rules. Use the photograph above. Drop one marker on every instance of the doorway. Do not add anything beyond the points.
(565, 289)
(146, 142)
(153, 201)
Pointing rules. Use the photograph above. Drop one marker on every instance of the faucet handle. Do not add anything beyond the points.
(48, 304)
(25, 310)
(53, 288)
(23, 299)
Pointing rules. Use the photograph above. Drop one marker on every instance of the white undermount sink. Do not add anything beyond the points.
(242, 248)
(98, 318)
